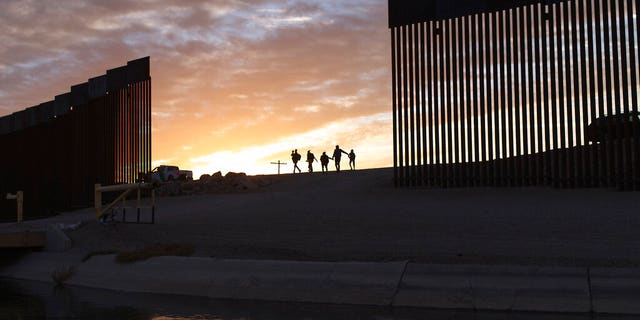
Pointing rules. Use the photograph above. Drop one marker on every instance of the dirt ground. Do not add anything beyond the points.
(359, 216)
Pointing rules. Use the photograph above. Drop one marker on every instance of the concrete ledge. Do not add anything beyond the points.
(57, 240)
(495, 288)
(320, 282)
(615, 289)
(39, 266)
(514, 288)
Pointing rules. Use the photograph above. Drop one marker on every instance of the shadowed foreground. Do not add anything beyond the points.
(358, 216)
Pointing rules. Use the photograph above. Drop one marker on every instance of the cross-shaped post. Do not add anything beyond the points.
(279, 163)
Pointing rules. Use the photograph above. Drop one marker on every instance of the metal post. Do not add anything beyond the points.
(279, 163)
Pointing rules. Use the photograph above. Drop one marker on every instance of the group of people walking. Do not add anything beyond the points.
(324, 159)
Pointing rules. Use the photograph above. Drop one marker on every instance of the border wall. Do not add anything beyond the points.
(516, 93)
(99, 132)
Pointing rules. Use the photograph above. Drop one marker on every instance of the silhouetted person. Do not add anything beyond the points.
(337, 153)
(324, 161)
(311, 158)
(352, 160)
(295, 157)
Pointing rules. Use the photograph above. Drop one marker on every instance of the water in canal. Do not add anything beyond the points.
(37, 300)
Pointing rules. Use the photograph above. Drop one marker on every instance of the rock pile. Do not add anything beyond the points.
(215, 183)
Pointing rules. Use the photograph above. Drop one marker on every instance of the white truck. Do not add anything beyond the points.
(170, 173)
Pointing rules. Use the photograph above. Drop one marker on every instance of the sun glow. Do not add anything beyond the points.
(367, 135)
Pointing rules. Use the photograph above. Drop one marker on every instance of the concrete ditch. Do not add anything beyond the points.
(402, 284)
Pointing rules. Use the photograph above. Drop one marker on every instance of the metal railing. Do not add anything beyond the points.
(103, 213)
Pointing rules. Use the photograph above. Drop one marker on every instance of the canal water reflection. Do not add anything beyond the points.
(37, 300)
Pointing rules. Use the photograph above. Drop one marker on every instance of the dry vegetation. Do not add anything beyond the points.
(61, 275)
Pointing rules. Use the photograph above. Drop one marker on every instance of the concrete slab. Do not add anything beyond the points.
(495, 288)
(39, 266)
(320, 282)
(435, 286)
(470, 287)
(616, 290)
(549, 289)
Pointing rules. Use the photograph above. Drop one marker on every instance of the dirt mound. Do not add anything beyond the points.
(215, 183)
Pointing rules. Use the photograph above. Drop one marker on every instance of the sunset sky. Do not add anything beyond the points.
(236, 84)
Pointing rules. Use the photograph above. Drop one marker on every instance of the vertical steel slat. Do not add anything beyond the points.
(520, 96)
(510, 106)
(545, 99)
(603, 158)
(503, 135)
(471, 104)
(619, 144)
(417, 105)
(633, 89)
(401, 104)
(534, 114)
(584, 46)
(431, 104)
(539, 80)
(596, 156)
(394, 105)
(561, 98)
(578, 147)
(575, 142)
(411, 155)
(425, 125)
(525, 107)
(480, 77)
(455, 121)
(627, 174)
(440, 97)
(610, 148)
(405, 107)
(553, 150)
(446, 111)
(570, 166)
(493, 128)
(613, 85)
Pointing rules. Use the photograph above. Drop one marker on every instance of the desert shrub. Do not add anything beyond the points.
(61, 275)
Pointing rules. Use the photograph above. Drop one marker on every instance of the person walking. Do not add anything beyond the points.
(311, 158)
(352, 160)
(324, 161)
(295, 157)
(337, 153)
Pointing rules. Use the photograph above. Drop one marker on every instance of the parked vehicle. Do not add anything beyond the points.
(170, 173)
(614, 127)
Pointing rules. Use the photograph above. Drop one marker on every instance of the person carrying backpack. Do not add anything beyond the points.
(352, 160)
(311, 158)
(295, 157)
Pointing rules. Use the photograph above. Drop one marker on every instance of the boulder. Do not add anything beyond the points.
(231, 175)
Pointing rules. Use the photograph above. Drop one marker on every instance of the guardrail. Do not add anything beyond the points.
(101, 211)
(19, 197)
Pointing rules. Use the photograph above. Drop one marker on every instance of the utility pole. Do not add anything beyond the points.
(279, 163)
